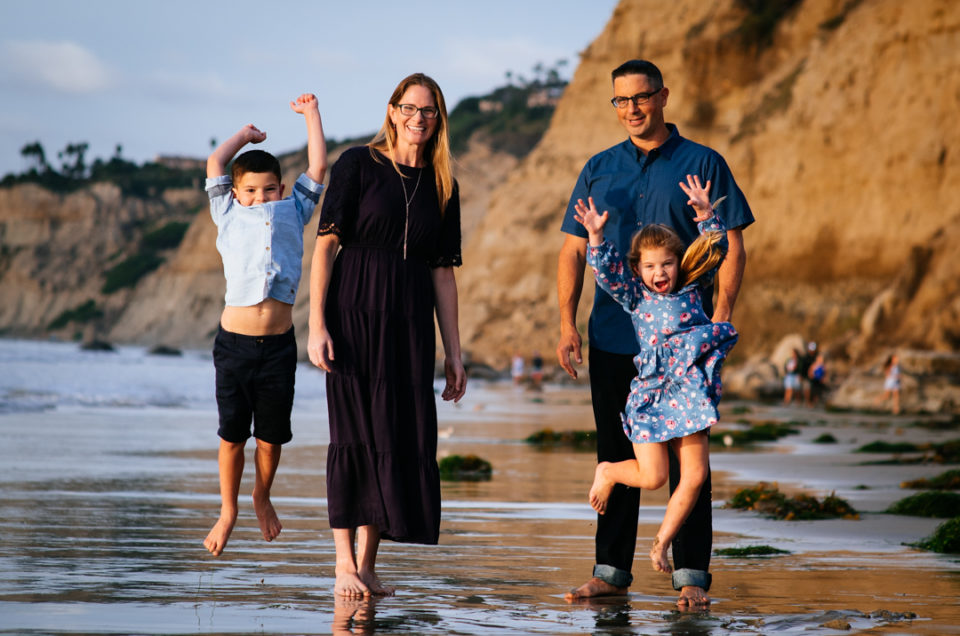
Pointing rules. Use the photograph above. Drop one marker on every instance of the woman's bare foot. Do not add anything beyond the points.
(693, 597)
(658, 554)
(375, 586)
(349, 585)
(593, 588)
(267, 516)
(601, 488)
(217, 539)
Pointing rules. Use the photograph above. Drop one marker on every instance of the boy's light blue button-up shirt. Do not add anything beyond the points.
(261, 245)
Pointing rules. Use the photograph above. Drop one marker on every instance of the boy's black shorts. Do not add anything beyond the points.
(255, 376)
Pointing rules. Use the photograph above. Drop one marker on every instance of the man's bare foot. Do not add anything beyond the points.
(658, 554)
(375, 586)
(267, 516)
(349, 585)
(593, 588)
(217, 539)
(601, 489)
(693, 598)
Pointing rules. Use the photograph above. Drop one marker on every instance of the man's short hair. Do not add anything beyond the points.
(254, 161)
(640, 67)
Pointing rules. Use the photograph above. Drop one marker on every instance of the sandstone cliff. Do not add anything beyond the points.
(841, 133)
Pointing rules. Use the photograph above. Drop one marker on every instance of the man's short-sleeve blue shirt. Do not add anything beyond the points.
(638, 190)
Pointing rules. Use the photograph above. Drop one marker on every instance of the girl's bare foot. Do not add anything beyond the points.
(349, 585)
(375, 586)
(601, 489)
(267, 516)
(217, 539)
(658, 554)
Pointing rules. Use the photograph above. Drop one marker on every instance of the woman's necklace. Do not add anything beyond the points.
(407, 201)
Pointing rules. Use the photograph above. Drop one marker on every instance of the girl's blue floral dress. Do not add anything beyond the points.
(677, 387)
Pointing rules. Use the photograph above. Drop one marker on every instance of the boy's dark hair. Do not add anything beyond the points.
(254, 161)
(640, 67)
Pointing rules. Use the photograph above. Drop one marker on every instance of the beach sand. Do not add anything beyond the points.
(103, 511)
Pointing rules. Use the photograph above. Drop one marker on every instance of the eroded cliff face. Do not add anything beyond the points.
(842, 133)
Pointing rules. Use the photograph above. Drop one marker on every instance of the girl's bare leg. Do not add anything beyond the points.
(348, 584)
(693, 453)
(230, 462)
(266, 458)
(368, 540)
(649, 470)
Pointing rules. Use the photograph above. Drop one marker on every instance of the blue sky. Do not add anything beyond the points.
(166, 77)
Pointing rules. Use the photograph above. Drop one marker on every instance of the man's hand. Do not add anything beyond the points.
(570, 343)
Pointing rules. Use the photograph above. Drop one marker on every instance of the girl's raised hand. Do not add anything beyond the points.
(588, 216)
(699, 197)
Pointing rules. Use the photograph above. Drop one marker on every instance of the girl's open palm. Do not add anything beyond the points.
(588, 216)
(699, 197)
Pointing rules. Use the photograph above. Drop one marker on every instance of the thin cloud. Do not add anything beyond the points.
(64, 66)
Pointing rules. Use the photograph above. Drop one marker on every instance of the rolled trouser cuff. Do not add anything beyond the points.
(685, 576)
(614, 576)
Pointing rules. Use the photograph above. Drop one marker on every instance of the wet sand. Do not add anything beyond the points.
(103, 512)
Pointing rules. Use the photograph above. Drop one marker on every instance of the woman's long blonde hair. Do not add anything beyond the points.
(702, 256)
(438, 147)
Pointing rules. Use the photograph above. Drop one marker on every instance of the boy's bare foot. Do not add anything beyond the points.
(375, 586)
(593, 588)
(601, 489)
(267, 516)
(216, 540)
(658, 554)
(349, 585)
(693, 598)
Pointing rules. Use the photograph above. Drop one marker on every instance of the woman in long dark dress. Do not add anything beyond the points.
(393, 210)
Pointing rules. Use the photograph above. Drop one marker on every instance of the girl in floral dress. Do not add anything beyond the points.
(673, 400)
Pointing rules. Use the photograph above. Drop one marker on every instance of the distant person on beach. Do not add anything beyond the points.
(516, 367)
(806, 361)
(673, 399)
(536, 369)
(260, 239)
(791, 377)
(636, 183)
(393, 212)
(891, 382)
(817, 375)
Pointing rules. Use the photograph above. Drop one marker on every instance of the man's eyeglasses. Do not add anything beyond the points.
(638, 99)
(409, 110)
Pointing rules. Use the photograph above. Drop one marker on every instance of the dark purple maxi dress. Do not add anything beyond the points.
(382, 459)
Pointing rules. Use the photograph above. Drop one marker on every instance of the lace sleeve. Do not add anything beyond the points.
(342, 199)
(447, 253)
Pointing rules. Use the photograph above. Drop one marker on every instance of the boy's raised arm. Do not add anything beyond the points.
(219, 158)
(307, 106)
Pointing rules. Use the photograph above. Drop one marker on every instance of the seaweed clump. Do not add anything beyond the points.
(943, 453)
(767, 499)
(580, 440)
(750, 551)
(762, 432)
(465, 468)
(945, 539)
(949, 480)
(942, 505)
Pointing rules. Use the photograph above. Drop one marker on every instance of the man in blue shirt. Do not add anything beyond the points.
(636, 181)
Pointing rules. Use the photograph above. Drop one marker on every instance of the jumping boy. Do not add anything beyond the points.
(260, 239)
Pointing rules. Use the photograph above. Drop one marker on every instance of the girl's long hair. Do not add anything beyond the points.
(702, 256)
(437, 152)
